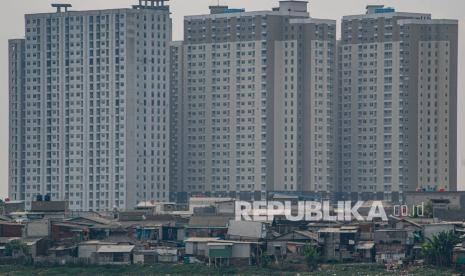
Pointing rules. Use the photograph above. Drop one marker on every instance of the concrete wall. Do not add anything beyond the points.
(196, 248)
(241, 250)
(39, 228)
(138, 259)
(87, 250)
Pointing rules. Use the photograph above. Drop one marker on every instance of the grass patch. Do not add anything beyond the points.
(199, 269)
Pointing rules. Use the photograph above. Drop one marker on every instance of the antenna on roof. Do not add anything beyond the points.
(59, 6)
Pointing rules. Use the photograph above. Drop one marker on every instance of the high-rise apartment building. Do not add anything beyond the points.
(106, 111)
(89, 105)
(177, 122)
(398, 103)
(16, 71)
(256, 97)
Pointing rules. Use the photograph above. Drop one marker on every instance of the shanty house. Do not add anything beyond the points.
(166, 254)
(392, 245)
(115, 254)
(87, 251)
(11, 229)
(208, 226)
(292, 242)
(147, 256)
(365, 251)
(338, 244)
(237, 252)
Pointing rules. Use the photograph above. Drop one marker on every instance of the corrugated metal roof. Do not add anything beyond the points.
(336, 230)
(219, 244)
(201, 239)
(10, 223)
(49, 206)
(209, 199)
(93, 219)
(308, 234)
(115, 249)
(132, 216)
(4, 218)
(70, 225)
(349, 227)
(365, 245)
(8, 239)
(97, 242)
(209, 221)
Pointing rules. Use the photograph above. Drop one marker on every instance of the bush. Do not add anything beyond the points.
(312, 256)
(16, 248)
(438, 250)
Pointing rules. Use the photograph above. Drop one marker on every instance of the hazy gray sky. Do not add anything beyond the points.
(12, 26)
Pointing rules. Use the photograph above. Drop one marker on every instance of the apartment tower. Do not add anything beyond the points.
(256, 102)
(89, 116)
(398, 103)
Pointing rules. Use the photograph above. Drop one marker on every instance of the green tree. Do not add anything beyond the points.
(16, 248)
(428, 211)
(438, 250)
(312, 256)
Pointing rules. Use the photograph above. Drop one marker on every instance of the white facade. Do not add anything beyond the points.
(16, 72)
(224, 134)
(256, 102)
(96, 107)
(434, 113)
(398, 120)
(371, 115)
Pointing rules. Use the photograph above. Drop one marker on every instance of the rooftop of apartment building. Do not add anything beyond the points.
(64, 8)
(378, 11)
(286, 8)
